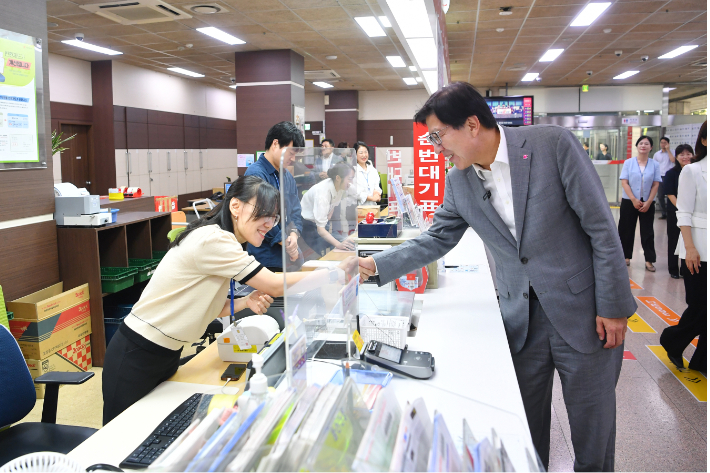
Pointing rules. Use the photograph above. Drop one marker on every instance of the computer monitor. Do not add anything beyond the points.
(512, 111)
(226, 187)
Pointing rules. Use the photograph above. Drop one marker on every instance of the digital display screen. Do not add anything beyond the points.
(390, 353)
(511, 111)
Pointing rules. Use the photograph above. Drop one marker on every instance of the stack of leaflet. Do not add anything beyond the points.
(327, 428)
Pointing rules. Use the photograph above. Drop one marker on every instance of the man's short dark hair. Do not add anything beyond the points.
(328, 140)
(453, 104)
(668, 140)
(644, 137)
(285, 133)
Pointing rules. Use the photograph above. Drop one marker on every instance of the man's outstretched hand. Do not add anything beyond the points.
(367, 268)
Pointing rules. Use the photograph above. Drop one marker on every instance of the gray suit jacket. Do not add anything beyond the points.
(567, 246)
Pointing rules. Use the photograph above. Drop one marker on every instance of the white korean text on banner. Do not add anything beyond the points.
(394, 170)
(429, 172)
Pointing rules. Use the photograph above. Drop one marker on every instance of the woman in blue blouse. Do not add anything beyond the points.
(640, 178)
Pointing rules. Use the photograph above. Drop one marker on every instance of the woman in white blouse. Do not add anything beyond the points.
(368, 179)
(692, 204)
(317, 208)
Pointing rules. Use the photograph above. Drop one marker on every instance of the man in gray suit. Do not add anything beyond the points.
(534, 198)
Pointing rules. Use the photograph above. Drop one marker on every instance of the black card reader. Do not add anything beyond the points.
(415, 364)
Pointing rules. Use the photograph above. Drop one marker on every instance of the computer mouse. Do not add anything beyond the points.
(103, 467)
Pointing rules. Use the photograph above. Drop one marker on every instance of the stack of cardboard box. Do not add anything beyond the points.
(53, 329)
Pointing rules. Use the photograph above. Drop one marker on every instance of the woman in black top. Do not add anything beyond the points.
(683, 153)
(603, 154)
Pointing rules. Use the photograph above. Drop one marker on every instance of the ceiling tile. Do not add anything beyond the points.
(246, 6)
(164, 26)
(556, 11)
(277, 16)
(63, 7)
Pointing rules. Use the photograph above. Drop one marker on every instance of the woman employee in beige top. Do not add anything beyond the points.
(189, 289)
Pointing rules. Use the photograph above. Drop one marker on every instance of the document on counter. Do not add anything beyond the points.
(375, 450)
(414, 438)
(443, 456)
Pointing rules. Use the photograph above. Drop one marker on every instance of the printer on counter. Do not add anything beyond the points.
(75, 207)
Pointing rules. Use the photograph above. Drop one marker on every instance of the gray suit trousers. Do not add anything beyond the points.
(588, 385)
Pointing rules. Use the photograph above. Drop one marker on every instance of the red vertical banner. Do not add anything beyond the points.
(629, 142)
(394, 170)
(429, 172)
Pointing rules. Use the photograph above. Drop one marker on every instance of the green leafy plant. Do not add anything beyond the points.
(57, 141)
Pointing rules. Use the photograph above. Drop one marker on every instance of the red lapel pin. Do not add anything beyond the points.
(525, 156)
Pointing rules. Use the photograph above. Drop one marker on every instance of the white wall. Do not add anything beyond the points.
(142, 88)
(598, 99)
(69, 80)
(391, 105)
(315, 107)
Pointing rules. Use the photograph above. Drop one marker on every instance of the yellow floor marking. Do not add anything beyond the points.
(692, 380)
(660, 309)
(638, 325)
(634, 284)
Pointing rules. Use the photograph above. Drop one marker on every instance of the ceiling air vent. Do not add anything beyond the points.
(137, 12)
(206, 8)
(321, 75)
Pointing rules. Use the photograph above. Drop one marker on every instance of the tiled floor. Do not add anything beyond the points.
(660, 425)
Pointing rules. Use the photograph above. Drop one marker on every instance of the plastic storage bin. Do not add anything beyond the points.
(145, 268)
(111, 326)
(117, 279)
(158, 254)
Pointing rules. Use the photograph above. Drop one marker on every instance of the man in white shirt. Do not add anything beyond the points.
(326, 160)
(666, 158)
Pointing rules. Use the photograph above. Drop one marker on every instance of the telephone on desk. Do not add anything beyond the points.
(217, 196)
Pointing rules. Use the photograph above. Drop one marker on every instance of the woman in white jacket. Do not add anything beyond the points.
(367, 177)
(692, 204)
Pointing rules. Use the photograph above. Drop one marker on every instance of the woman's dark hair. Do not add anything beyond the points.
(244, 189)
(285, 133)
(342, 144)
(361, 144)
(453, 105)
(340, 169)
(700, 149)
(644, 137)
(679, 149)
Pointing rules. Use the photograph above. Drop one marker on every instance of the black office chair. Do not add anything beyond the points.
(17, 398)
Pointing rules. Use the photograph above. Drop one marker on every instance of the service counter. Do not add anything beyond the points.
(460, 325)
(609, 172)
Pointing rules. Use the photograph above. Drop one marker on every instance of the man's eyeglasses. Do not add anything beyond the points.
(435, 137)
(274, 220)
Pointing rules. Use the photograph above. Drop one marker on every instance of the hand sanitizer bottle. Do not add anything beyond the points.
(258, 389)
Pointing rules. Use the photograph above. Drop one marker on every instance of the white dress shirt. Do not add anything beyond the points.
(325, 162)
(664, 159)
(692, 204)
(368, 180)
(318, 203)
(497, 182)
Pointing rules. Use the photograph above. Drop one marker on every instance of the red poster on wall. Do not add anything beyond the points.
(394, 169)
(429, 172)
(629, 143)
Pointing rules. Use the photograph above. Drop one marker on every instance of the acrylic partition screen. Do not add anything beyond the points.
(318, 214)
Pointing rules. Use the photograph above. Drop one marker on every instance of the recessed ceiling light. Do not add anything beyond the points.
(648, 111)
(607, 30)
(385, 21)
(626, 74)
(505, 11)
(205, 9)
(234, 86)
(413, 68)
(500, 30)
(668, 89)
(370, 25)
(91, 47)
(551, 55)
(678, 51)
(590, 13)
(530, 76)
(323, 85)
(331, 58)
(419, 79)
(180, 70)
(410, 81)
(220, 35)
(411, 17)
(396, 61)
(52, 24)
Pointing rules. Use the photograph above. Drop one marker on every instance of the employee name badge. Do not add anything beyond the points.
(240, 338)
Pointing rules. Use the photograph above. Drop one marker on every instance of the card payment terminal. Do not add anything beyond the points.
(415, 364)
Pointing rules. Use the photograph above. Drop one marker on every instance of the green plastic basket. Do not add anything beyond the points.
(117, 279)
(145, 268)
(158, 254)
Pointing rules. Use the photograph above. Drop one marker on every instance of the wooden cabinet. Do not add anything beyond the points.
(83, 251)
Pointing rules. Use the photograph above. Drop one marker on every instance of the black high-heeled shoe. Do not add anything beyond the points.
(677, 361)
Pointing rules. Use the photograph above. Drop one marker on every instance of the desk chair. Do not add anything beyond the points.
(179, 219)
(17, 395)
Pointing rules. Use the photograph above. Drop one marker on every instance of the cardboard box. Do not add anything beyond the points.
(39, 339)
(363, 210)
(166, 204)
(75, 357)
(47, 302)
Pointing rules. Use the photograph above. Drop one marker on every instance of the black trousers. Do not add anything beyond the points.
(673, 233)
(628, 214)
(133, 367)
(662, 198)
(313, 239)
(694, 320)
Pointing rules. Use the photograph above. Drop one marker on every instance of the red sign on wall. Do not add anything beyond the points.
(629, 142)
(394, 169)
(429, 172)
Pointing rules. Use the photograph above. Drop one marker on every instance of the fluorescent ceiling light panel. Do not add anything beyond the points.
(419, 79)
(385, 21)
(551, 55)
(678, 51)
(220, 35)
(424, 50)
(410, 81)
(92, 47)
(413, 68)
(370, 25)
(530, 76)
(590, 13)
(180, 70)
(411, 17)
(396, 61)
(233, 86)
(431, 78)
(323, 85)
(668, 89)
(626, 74)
